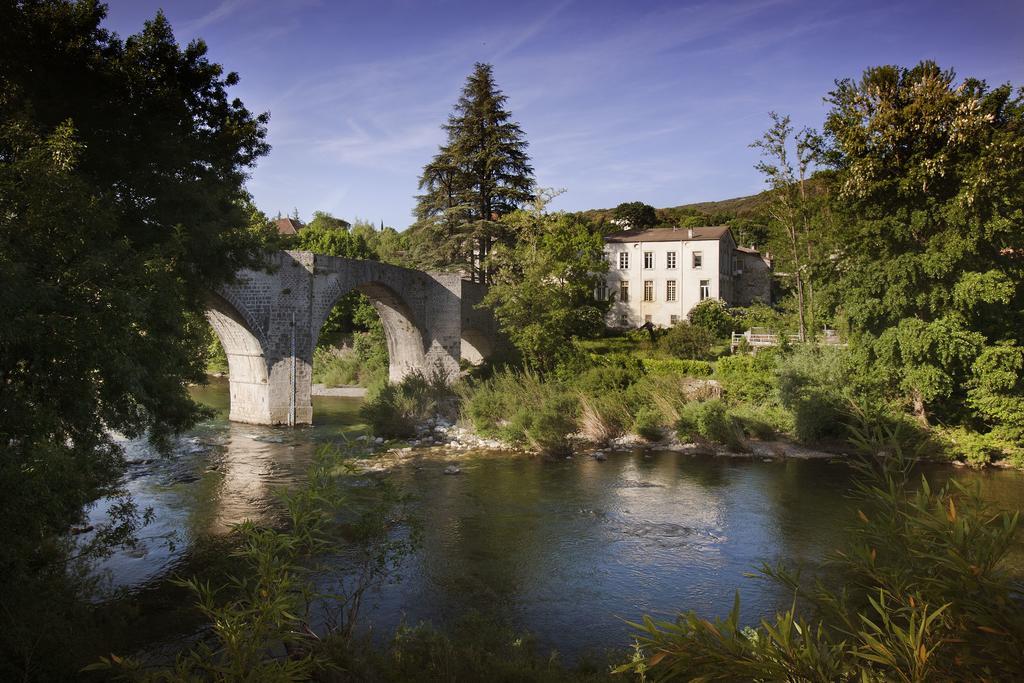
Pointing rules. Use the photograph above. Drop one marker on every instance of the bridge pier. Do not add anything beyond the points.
(269, 322)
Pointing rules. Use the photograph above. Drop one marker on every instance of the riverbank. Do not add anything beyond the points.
(349, 391)
(441, 440)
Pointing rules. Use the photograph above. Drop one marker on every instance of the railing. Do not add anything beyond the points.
(759, 338)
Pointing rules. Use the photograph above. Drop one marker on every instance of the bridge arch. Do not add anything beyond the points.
(269, 321)
(245, 346)
(404, 334)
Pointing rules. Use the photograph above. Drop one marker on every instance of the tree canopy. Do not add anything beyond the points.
(121, 203)
(930, 252)
(543, 293)
(637, 215)
(481, 173)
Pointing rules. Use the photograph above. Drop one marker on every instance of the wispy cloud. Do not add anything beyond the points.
(222, 10)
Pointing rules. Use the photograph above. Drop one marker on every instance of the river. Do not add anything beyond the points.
(565, 549)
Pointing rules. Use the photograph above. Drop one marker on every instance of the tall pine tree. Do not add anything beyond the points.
(479, 175)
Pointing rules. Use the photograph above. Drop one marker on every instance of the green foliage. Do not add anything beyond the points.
(283, 582)
(762, 421)
(216, 357)
(394, 411)
(543, 289)
(749, 378)
(648, 423)
(693, 368)
(688, 342)
(602, 415)
(933, 282)
(763, 316)
(322, 222)
(712, 315)
(923, 594)
(710, 420)
(480, 174)
(811, 382)
(637, 215)
(476, 649)
(366, 364)
(996, 391)
(523, 409)
(122, 202)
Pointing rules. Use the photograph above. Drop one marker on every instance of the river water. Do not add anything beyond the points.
(565, 549)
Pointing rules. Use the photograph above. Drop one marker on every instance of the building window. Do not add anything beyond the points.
(624, 291)
(602, 292)
(648, 260)
(670, 290)
(623, 260)
(698, 260)
(648, 290)
(670, 260)
(608, 257)
(674, 319)
(705, 289)
(647, 318)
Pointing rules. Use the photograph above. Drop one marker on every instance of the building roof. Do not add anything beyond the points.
(748, 250)
(669, 234)
(288, 226)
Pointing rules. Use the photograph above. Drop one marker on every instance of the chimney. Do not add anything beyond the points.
(689, 233)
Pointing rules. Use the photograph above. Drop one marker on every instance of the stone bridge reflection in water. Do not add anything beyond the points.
(566, 549)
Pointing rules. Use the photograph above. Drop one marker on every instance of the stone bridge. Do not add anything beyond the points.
(269, 321)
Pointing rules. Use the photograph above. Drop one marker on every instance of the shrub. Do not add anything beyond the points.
(333, 367)
(521, 408)
(710, 420)
(602, 417)
(394, 410)
(678, 366)
(712, 315)
(366, 364)
(812, 385)
(761, 315)
(547, 427)
(604, 379)
(688, 342)
(648, 424)
(748, 378)
(762, 422)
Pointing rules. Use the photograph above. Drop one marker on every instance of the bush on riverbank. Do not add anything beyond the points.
(804, 393)
(395, 410)
(523, 409)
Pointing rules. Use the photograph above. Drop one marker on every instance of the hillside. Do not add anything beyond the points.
(717, 212)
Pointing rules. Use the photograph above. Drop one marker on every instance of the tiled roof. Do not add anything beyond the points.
(287, 226)
(668, 234)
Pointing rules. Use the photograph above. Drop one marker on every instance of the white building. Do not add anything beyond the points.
(658, 275)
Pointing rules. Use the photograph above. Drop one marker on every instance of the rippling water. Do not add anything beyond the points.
(566, 549)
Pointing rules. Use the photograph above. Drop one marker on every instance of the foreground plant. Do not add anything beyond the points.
(921, 592)
(269, 621)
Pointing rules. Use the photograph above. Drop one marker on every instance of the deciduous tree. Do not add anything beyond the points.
(122, 203)
(544, 287)
(930, 247)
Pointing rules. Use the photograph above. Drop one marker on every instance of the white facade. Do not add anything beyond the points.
(668, 271)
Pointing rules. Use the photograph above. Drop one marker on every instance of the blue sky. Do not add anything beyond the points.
(620, 101)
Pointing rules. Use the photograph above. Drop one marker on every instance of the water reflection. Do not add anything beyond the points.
(564, 548)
